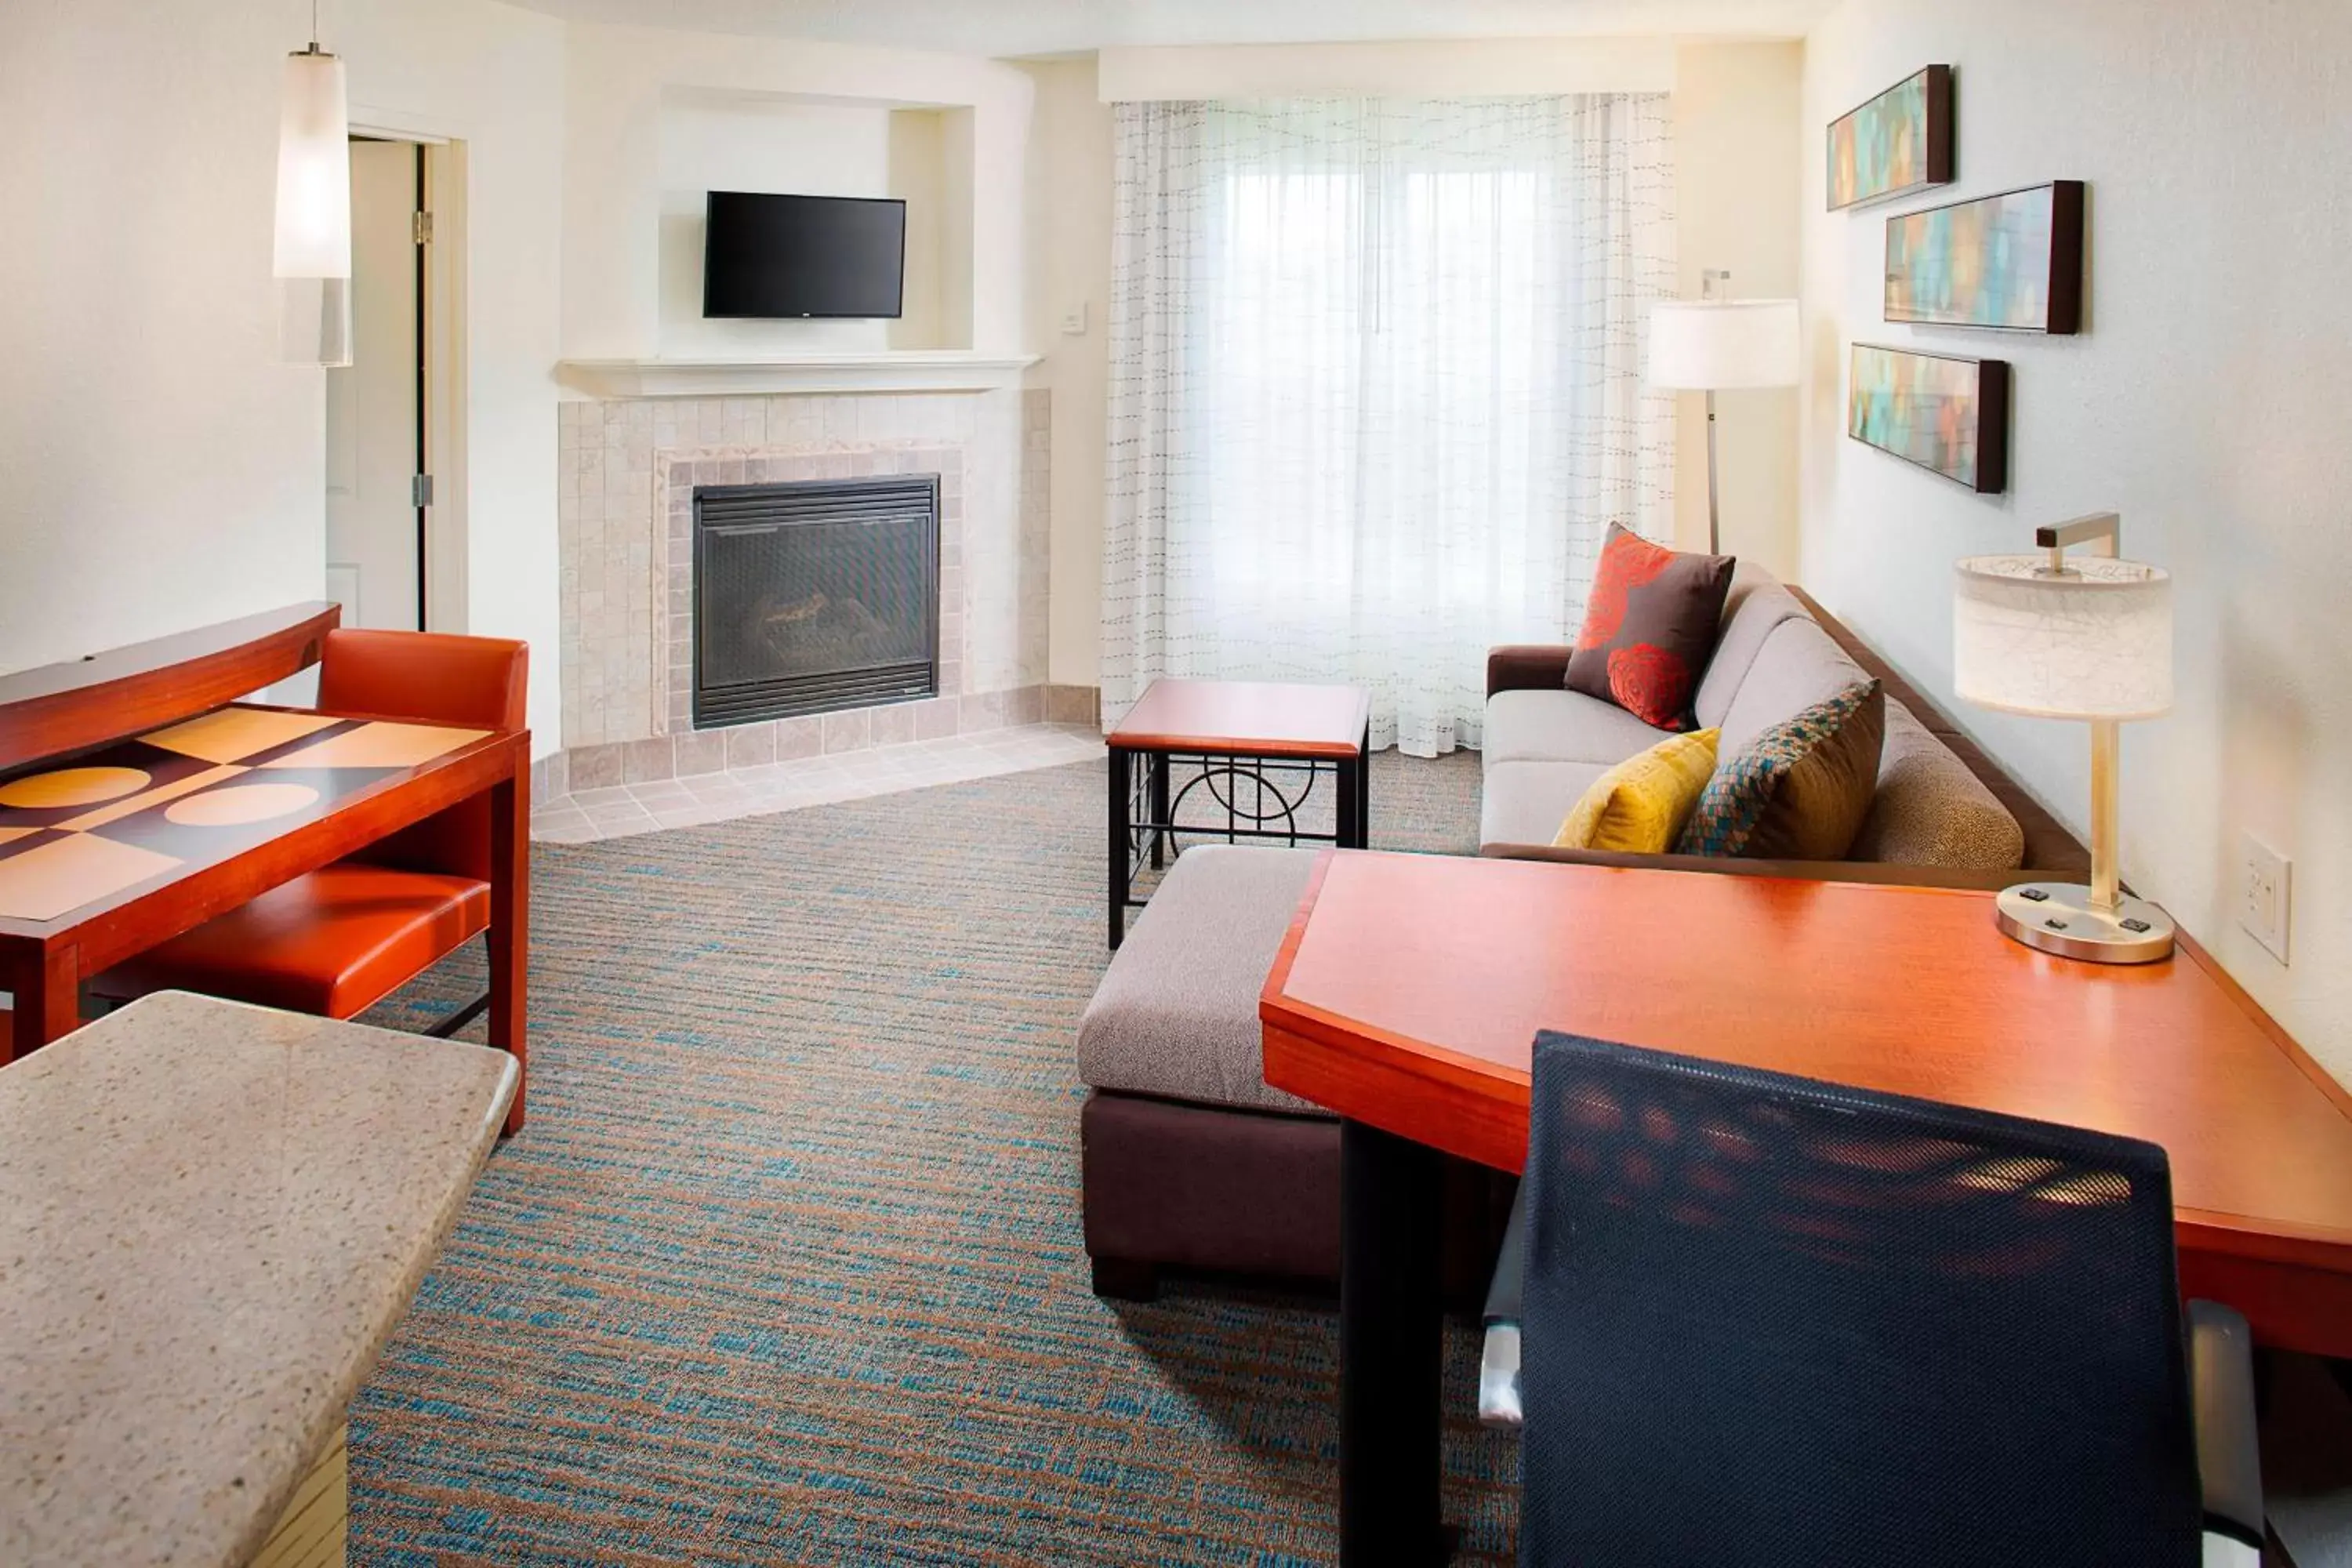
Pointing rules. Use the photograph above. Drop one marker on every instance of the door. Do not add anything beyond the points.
(374, 406)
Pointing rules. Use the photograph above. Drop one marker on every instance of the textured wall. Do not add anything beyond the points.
(2205, 400)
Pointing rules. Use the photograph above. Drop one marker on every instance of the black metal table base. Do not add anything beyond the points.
(1145, 805)
(1391, 1351)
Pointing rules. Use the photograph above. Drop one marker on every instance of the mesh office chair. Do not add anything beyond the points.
(1773, 1321)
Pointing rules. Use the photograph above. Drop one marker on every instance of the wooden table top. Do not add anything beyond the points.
(78, 834)
(1246, 718)
(1410, 989)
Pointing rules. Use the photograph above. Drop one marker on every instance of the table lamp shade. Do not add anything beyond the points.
(1717, 345)
(2092, 642)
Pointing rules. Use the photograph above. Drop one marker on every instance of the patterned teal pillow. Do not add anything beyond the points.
(1746, 782)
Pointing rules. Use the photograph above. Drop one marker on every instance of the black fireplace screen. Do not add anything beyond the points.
(809, 597)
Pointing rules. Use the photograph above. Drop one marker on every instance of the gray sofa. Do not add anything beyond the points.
(1943, 813)
(1191, 1161)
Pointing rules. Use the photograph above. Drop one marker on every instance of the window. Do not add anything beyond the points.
(1375, 390)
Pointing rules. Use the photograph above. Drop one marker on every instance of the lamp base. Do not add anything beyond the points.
(2058, 917)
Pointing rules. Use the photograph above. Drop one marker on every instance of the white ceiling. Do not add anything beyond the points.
(1057, 26)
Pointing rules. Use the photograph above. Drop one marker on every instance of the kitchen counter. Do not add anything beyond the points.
(212, 1216)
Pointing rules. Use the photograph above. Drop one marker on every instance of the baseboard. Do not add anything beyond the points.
(692, 752)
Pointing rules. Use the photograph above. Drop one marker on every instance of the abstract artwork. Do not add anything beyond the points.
(1945, 414)
(2013, 261)
(1899, 142)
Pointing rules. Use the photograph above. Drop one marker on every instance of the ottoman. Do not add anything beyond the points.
(1189, 1159)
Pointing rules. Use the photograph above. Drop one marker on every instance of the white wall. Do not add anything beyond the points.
(1736, 114)
(2206, 401)
(162, 469)
(778, 146)
(1069, 247)
(1420, 67)
(623, 85)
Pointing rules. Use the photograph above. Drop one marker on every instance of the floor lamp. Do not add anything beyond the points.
(1713, 345)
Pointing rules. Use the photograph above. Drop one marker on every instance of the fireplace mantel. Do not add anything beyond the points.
(902, 370)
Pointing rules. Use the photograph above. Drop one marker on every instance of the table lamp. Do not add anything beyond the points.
(1713, 345)
(2087, 638)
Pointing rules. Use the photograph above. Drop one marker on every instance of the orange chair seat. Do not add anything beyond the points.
(331, 944)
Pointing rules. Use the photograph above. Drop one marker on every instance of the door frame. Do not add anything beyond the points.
(443, 344)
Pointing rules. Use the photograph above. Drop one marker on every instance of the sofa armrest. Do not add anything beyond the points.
(1884, 873)
(1526, 667)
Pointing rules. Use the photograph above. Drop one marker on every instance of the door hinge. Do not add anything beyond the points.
(421, 228)
(420, 490)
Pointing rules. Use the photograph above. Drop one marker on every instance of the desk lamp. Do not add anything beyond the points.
(2086, 637)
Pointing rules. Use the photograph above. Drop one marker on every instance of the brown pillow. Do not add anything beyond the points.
(1819, 809)
(1798, 790)
(1649, 628)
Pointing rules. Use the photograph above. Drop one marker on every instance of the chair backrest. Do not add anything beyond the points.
(1774, 1321)
(432, 678)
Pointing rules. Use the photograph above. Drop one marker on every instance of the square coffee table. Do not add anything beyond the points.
(1277, 740)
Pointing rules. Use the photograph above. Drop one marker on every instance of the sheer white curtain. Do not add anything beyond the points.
(1376, 388)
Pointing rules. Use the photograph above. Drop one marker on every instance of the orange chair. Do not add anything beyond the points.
(337, 941)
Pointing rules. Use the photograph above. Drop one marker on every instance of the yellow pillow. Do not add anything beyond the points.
(1640, 804)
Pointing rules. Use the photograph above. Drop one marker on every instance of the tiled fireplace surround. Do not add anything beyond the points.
(628, 471)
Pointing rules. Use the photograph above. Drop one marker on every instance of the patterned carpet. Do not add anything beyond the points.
(786, 1266)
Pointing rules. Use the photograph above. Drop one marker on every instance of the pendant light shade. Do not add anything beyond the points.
(312, 256)
(314, 169)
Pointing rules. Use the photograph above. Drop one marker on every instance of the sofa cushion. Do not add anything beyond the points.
(1800, 789)
(1523, 801)
(1819, 807)
(1930, 810)
(1798, 666)
(1562, 727)
(1640, 805)
(1649, 627)
(1176, 1014)
(1757, 603)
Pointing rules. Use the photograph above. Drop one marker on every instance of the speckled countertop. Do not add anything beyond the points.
(211, 1217)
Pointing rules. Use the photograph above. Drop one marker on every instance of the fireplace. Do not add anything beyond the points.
(814, 597)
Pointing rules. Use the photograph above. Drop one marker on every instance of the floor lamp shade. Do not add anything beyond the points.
(1704, 345)
(2093, 641)
(1717, 345)
(313, 255)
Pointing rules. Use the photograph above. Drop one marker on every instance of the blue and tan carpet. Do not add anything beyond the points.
(786, 1267)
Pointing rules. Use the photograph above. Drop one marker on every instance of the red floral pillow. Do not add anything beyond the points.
(1649, 628)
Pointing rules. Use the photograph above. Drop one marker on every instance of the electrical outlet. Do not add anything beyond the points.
(2263, 893)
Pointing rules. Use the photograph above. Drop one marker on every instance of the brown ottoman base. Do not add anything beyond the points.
(1197, 1187)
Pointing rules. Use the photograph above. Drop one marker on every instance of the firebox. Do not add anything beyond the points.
(814, 597)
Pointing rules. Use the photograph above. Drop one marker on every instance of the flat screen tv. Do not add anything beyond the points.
(799, 256)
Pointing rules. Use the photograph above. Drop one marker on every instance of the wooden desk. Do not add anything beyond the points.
(106, 853)
(1409, 988)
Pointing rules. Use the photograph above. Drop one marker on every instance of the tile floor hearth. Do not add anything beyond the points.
(594, 815)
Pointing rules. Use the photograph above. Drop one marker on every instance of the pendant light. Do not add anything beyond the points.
(312, 261)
